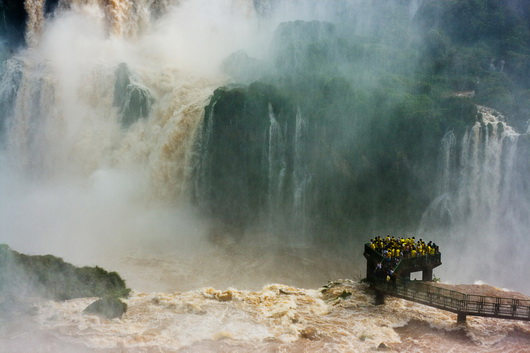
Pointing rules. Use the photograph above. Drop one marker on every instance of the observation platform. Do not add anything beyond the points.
(406, 265)
(427, 293)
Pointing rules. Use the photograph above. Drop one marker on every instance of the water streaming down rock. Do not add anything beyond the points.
(301, 175)
(132, 98)
(9, 84)
(35, 10)
(447, 155)
(251, 162)
(64, 116)
(483, 205)
(133, 107)
(126, 18)
(479, 174)
(30, 131)
(276, 163)
(479, 181)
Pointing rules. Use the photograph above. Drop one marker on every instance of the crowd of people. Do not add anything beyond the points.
(394, 249)
(397, 248)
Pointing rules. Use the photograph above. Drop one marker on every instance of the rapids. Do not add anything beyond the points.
(102, 139)
(276, 318)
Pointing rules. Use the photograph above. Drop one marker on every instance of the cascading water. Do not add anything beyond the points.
(116, 110)
(35, 11)
(301, 176)
(98, 119)
(440, 213)
(68, 111)
(9, 84)
(276, 163)
(447, 154)
(480, 203)
(479, 182)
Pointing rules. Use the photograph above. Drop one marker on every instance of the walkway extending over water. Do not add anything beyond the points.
(457, 302)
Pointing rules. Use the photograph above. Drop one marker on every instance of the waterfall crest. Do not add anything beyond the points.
(123, 98)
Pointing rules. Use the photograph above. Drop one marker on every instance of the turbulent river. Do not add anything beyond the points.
(275, 318)
(102, 111)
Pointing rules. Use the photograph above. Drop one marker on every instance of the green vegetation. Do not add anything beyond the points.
(480, 45)
(50, 277)
(374, 104)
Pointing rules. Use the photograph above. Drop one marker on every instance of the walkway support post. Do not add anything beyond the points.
(460, 318)
(379, 298)
(370, 266)
(427, 274)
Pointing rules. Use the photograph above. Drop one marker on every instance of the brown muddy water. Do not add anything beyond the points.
(269, 318)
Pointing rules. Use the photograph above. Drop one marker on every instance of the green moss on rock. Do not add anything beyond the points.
(50, 277)
(107, 307)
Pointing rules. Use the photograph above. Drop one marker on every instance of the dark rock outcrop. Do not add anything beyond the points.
(50, 277)
(300, 150)
(107, 307)
(133, 100)
(13, 19)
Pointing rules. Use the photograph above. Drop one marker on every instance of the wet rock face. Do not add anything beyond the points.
(133, 100)
(50, 277)
(50, 6)
(10, 76)
(13, 18)
(108, 307)
(232, 173)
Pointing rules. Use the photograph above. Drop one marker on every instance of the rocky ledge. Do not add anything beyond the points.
(24, 276)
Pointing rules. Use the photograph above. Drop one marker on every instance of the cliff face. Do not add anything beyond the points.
(324, 143)
(341, 130)
(13, 19)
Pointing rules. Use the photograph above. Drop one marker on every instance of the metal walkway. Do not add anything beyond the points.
(457, 302)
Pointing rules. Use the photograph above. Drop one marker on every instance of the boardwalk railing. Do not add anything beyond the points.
(457, 302)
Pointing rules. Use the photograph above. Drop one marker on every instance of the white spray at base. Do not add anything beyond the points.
(480, 217)
(100, 112)
(278, 318)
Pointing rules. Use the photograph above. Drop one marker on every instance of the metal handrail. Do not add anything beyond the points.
(469, 304)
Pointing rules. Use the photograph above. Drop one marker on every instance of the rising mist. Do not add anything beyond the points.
(284, 128)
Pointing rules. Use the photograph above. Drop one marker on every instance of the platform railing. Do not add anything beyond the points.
(457, 302)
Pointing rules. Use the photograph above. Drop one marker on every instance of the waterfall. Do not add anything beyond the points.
(447, 151)
(35, 11)
(276, 163)
(301, 176)
(30, 131)
(481, 219)
(202, 157)
(124, 18)
(485, 175)
(9, 85)
(99, 87)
